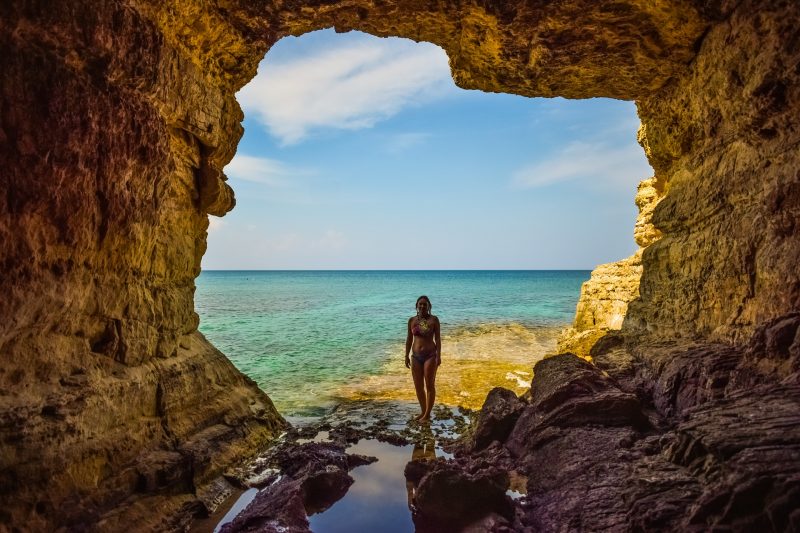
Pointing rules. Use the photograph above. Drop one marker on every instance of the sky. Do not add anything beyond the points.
(361, 153)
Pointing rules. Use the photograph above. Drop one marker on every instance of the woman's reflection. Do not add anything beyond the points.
(424, 451)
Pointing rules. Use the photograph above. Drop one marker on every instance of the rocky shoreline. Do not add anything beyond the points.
(604, 446)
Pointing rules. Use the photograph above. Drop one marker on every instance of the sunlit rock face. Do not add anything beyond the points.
(603, 304)
(723, 142)
(116, 118)
(108, 140)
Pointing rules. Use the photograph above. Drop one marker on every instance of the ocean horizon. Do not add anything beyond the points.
(314, 338)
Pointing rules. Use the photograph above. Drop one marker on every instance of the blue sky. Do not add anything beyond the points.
(361, 153)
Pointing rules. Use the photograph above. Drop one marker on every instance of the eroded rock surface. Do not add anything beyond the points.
(726, 460)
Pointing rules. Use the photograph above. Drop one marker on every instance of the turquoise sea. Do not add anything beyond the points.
(312, 338)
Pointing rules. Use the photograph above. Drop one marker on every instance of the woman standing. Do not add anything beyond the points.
(424, 342)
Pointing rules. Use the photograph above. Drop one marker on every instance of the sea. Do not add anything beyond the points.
(315, 339)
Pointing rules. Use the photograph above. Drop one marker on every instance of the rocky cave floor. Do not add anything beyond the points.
(695, 441)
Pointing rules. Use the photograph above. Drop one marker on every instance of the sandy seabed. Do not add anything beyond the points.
(474, 361)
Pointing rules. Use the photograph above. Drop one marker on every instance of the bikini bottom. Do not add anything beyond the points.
(422, 357)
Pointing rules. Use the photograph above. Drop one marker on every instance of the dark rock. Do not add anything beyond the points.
(492, 522)
(278, 507)
(323, 488)
(163, 470)
(314, 477)
(497, 417)
(346, 434)
(692, 376)
(354, 460)
(773, 353)
(297, 460)
(620, 365)
(608, 342)
(392, 438)
(451, 496)
(568, 391)
(747, 447)
(416, 470)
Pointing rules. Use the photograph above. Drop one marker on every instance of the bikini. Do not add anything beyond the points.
(422, 357)
(419, 331)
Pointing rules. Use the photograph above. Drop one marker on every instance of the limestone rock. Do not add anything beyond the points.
(719, 139)
(603, 304)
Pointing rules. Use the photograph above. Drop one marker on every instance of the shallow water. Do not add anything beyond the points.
(377, 500)
(310, 339)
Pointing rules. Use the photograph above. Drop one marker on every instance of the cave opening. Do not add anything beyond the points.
(355, 144)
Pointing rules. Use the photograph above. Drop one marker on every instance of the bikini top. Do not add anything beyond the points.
(422, 327)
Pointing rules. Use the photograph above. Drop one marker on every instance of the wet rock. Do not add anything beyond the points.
(354, 460)
(323, 488)
(313, 477)
(415, 470)
(279, 507)
(454, 497)
(497, 417)
(392, 438)
(296, 460)
(346, 434)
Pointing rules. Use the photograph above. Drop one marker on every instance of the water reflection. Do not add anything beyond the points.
(424, 451)
(377, 500)
(381, 498)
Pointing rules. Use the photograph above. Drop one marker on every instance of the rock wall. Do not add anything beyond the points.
(723, 142)
(107, 142)
(116, 118)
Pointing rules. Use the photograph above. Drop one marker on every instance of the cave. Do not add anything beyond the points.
(118, 116)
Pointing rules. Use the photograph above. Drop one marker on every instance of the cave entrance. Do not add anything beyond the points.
(365, 178)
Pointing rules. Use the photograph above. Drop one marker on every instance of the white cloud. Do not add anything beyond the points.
(584, 161)
(263, 170)
(348, 86)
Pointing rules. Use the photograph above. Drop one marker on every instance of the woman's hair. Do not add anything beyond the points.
(423, 297)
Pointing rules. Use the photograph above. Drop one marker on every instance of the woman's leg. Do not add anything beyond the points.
(430, 385)
(417, 372)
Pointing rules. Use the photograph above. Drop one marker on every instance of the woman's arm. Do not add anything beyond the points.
(409, 340)
(437, 338)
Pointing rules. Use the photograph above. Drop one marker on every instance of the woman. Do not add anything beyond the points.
(424, 341)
